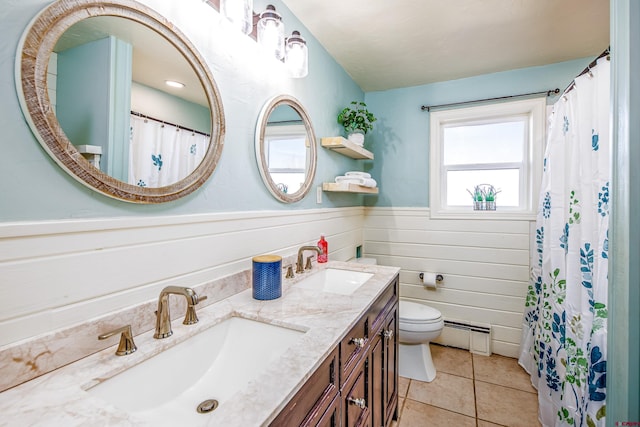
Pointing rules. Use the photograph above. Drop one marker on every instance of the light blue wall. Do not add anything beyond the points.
(164, 106)
(34, 187)
(400, 138)
(84, 95)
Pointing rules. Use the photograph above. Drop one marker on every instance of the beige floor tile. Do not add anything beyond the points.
(506, 406)
(400, 407)
(403, 386)
(452, 360)
(416, 414)
(447, 391)
(482, 423)
(502, 371)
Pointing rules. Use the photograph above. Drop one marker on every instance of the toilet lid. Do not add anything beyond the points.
(412, 312)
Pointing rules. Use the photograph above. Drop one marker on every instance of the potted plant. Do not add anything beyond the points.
(357, 121)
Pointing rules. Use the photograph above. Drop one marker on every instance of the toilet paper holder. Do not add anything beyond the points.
(439, 278)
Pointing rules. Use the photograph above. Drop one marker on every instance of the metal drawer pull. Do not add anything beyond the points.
(358, 342)
(387, 333)
(359, 402)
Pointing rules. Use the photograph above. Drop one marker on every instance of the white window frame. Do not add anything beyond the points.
(535, 111)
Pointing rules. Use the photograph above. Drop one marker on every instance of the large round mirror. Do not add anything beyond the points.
(286, 149)
(120, 99)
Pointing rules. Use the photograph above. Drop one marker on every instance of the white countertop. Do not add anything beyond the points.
(60, 398)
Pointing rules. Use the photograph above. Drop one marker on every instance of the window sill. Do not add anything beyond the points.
(483, 215)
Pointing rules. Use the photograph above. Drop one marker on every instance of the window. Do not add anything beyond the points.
(287, 156)
(499, 145)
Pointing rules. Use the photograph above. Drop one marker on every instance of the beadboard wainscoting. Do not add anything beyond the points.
(63, 273)
(485, 264)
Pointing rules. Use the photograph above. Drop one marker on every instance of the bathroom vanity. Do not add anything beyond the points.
(358, 382)
(336, 363)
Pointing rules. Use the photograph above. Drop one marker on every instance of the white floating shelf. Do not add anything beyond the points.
(347, 187)
(346, 148)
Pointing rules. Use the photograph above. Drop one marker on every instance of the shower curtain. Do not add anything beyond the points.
(161, 154)
(564, 334)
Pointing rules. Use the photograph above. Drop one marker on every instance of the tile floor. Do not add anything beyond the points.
(469, 390)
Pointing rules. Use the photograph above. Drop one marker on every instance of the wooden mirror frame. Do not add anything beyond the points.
(261, 157)
(34, 51)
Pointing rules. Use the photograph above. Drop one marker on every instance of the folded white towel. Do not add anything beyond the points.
(358, 173)
(349, 179)
(365, 182)
(369, 182)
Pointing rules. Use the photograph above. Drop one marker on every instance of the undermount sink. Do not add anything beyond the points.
(213, 365)
(335, 281)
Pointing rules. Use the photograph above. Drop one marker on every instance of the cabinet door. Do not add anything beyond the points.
(390, 375)
(377, 382)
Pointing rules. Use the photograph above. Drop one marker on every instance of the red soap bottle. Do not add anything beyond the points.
(322, 244)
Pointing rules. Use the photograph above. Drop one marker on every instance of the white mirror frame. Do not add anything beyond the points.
(261, 156)
(35, 49)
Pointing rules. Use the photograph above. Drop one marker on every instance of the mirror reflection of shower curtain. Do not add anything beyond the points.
(564, 333)
(162, 154)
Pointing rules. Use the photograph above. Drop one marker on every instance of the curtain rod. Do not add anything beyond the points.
(591, 65)
(286, 122)
(164, 122)
(547, 93)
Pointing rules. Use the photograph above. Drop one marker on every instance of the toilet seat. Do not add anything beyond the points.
(412, 312)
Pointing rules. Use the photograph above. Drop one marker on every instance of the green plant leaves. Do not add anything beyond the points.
(356, 117)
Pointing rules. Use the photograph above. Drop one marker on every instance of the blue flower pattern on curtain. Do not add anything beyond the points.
(564, 337)
(161, 154)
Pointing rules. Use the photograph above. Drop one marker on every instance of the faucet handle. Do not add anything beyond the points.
(191, 318)
(289, 274)
(126, 346)
(308, 265)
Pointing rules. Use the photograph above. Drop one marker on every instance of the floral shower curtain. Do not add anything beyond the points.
(564, 341)
(161, 154)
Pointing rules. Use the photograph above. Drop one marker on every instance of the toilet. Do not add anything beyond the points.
(419, 325)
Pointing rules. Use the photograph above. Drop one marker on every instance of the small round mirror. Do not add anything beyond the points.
(286, 149)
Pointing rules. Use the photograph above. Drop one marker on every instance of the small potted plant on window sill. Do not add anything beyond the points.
(357, 121)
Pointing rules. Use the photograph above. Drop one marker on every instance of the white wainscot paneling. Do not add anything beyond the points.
(485, 264)
(75, 270)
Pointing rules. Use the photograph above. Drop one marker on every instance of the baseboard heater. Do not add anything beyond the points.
(475, 337)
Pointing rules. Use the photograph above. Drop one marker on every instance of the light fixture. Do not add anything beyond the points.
(297, 55)
(271, 32)
(239, 13)
(174, 83)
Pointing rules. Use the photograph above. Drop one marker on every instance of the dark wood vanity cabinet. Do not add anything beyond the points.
(357, 385)
(356, 394)
(317, 397)
(384, 369)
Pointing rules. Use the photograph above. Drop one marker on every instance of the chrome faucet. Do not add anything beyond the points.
(163, 317)
(299, 263)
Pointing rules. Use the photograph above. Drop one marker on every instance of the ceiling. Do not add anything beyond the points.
(155, 59)
(401, 43)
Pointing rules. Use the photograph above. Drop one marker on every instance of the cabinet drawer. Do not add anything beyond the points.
(352, 347)
(311, 402)
(355, 397)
